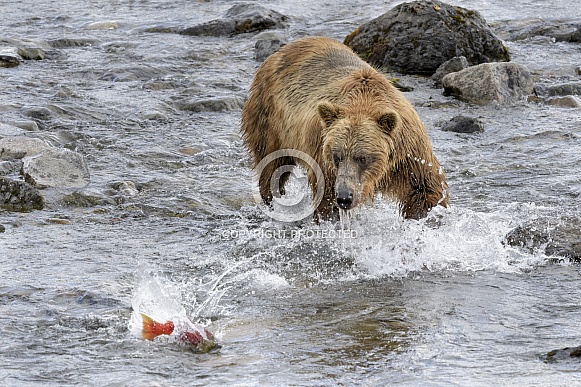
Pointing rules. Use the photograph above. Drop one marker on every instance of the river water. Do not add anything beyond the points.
(169, 220)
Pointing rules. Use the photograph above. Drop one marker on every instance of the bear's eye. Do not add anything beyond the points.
(337, 158)
(362, 160)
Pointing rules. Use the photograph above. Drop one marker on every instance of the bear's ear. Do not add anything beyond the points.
(329, 112)
(388, 121)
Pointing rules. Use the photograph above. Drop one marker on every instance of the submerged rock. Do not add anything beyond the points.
(559, 238)
(73, 42)
(462, 124)
(60, 168)
(563, 354)
(567, 101)
(16, 195)
(419, 36)
(488, 82)
(241, 18)
(527, 29)
(562, 89)
(9, 57)
(221, 104)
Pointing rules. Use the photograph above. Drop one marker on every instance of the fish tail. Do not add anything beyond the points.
(148, 331)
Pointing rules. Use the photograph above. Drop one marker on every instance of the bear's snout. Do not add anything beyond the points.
(345, 198)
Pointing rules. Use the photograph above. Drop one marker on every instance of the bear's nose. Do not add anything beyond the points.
(344, 198)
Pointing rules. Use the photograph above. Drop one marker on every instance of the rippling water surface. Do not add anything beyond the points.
(437, 302)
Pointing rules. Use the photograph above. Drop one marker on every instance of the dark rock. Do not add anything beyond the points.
(18, 195)
(462, 124)
(60, 168)
(573, 88)
(451, 66)
(2, 228)
(212, 105)
(73, 42)
(563, 354)
(559, 238)
(86, 198)
(578, 70)
(419, 36)
(267, 44)
(241, 18)
(488, 82)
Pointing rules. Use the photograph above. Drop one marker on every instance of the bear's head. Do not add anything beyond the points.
(356, 149)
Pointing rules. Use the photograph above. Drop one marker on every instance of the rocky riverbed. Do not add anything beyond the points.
(121, 165)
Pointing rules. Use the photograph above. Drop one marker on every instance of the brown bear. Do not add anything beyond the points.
(315, 95)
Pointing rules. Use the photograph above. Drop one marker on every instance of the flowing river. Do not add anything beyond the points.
(169, 219)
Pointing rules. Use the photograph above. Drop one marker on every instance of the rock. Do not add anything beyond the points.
(86, 198)
(563, 354)
(451, 66)
(37, 112)
(10, 167)
(31, 53)
(17, 147)
(60, 168)
(2, 229)
(462, 124)
(573, 88)
(419, 36)
(267, 44)
(559, 238)
(578, 70)
(488, 82)
(18, 195)
(133, 73)
(106, 25)
(73, 42)
(9, 130)
(27, 125)
(529, 29)
(212, 105)
(9, 57)
(567, 101)
(241, 18)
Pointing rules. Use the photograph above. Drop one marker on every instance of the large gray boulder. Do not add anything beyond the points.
(417, 37)
(488, 82)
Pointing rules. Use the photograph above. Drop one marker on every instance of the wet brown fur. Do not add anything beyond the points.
(315, 95)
